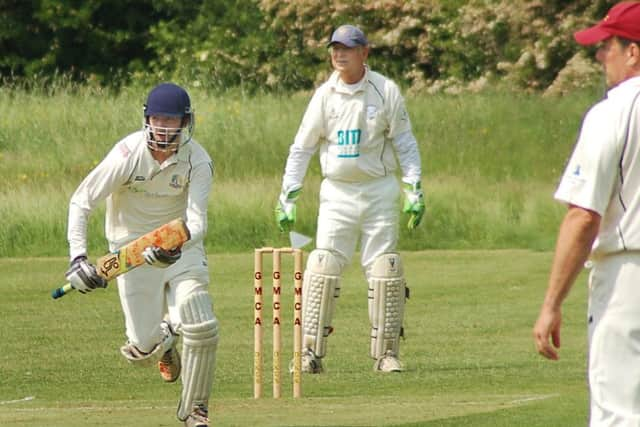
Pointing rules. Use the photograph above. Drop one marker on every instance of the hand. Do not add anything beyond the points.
(161, 258)
(548, 327)
(413, 204)
(286, 208)
(83, 276)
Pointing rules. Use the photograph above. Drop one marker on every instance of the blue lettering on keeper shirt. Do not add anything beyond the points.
(349, 143)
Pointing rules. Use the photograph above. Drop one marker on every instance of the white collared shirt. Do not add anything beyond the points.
(355, 127)
(141, 194)
(603, 173)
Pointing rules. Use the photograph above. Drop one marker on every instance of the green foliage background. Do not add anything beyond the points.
(278, 45)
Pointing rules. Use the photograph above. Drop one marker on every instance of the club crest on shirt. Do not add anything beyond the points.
(176, 181)
(371, 112)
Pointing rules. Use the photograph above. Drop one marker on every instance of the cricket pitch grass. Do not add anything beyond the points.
(469, 355)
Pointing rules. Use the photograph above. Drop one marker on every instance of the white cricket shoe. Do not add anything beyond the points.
(170, 366)
(310, 363)
(198, 418)
(388, 363)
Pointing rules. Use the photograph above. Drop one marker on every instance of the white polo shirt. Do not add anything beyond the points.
(141, 194)
(354, 126)
(603, 173)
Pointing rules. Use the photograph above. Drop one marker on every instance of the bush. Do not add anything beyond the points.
(273, 45)
(432, 45)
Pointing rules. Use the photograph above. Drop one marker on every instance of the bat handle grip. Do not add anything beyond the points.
(61, 291)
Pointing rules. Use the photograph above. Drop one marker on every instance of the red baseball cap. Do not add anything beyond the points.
(623, 20)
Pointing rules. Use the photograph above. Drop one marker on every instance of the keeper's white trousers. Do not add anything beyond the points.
(614, 341)
(148, 293)
(364, 212)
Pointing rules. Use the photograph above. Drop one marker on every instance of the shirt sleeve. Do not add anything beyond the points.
(399, 121)
(305, 144)
(201, 181)
(113, 171)
(408, 156)
(591, 172)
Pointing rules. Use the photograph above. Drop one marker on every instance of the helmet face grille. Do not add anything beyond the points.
(167, 139)
(168, 100)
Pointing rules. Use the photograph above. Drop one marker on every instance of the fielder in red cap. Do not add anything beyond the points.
(601, 230)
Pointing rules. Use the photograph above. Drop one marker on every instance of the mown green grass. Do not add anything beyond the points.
(491, 162)
(468, 351)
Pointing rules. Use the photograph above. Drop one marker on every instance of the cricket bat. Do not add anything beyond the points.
(128, 257)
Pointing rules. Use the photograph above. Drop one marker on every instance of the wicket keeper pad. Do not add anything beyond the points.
(199, 344)
(386, 304)
(319, 293)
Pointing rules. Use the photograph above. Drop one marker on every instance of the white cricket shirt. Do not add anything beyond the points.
(355, 127)
(142, 194)
(603, 173)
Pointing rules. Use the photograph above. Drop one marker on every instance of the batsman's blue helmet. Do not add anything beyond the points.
(168, 100)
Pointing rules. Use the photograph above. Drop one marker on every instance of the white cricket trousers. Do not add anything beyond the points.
(614, 341)
(365, 212)
(148, 294)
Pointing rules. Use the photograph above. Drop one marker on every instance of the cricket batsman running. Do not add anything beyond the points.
(358, 122)
(148, 179)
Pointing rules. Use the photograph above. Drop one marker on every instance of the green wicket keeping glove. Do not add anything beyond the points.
(286, 208)
(413, 203)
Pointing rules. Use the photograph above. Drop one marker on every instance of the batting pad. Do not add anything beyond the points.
(320, 290)
(386, 304)
(199, 344)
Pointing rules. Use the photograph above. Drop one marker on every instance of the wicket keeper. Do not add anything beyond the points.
(358, 121)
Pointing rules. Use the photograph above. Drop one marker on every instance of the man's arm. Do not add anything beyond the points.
(112, 172)
(305, 144)
(300, 152)
(200, 183)
(577, 233)
(408, 154)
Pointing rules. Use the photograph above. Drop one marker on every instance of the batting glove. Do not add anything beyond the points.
(413, 204)
(161, 258)
(83, 276)
(286, 209)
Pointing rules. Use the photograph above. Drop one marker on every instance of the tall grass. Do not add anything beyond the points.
(490, 161)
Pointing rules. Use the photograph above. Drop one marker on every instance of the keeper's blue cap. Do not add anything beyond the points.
(349, 36)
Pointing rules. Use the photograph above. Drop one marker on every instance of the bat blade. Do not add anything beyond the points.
(172, 234)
